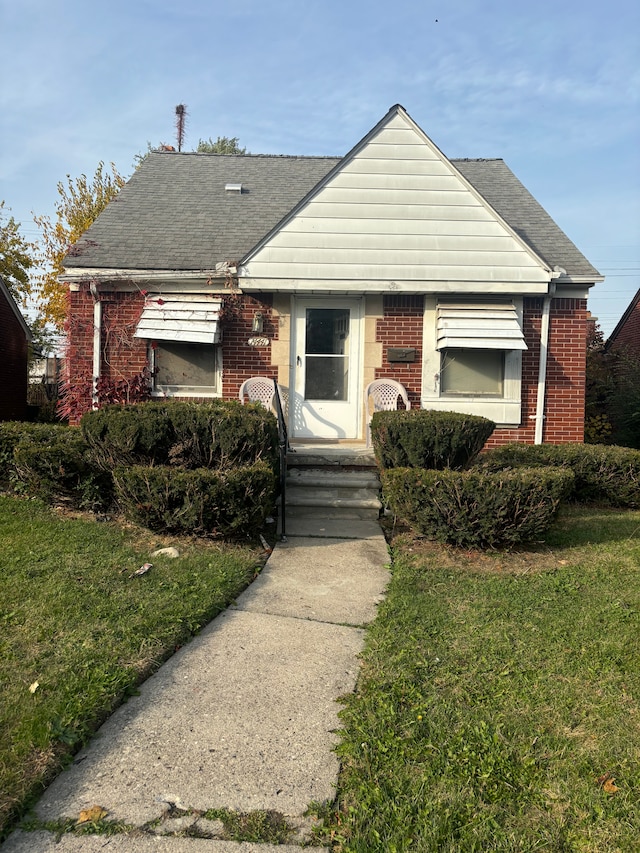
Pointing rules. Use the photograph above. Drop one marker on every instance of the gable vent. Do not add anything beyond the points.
(233, 188)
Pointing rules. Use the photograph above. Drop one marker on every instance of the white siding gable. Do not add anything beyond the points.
(395, 215)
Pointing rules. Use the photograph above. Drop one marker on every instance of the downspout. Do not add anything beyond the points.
(97, 331)
(544, 357)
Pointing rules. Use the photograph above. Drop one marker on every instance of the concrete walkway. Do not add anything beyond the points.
(242, 718)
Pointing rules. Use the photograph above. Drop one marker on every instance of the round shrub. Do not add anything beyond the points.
(421, 438)
(477, 509)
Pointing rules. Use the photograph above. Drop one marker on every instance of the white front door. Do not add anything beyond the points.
(326, 400)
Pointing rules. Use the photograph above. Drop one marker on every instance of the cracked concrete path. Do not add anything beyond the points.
(242, 718)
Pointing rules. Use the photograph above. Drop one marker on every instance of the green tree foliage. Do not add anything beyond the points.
(222, 145)
(612, 406)
(16, 257)
(80, 203)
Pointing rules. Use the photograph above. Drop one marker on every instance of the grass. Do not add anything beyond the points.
(79, 630)
(499, 703)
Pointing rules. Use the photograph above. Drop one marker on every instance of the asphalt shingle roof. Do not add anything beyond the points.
(175, 214)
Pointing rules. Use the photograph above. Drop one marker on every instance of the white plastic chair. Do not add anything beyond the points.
(258, 389)
(383, 395)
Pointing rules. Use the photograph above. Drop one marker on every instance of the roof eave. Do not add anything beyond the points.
(78, 275)
(16, 311)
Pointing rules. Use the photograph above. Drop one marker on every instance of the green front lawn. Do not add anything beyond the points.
(79, 629)
(499, 703)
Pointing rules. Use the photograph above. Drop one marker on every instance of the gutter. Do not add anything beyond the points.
(97, 333)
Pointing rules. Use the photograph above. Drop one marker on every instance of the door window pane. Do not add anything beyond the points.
(326, 354)
(472, 372)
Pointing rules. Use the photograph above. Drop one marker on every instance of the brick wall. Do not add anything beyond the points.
(401, 326)
(239, 360)
(565, 373)
(627, 335)
(13, 365)
(124, 356)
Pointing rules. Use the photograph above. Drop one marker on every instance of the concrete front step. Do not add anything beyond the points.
(333, 478)
(307, 507)
(333, 492)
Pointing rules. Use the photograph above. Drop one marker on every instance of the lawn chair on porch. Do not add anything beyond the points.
(383, 395)
(258, 389)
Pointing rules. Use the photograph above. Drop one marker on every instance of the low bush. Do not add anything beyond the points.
(135, 434)
(218, 434)
(11, 433)
(477, 509)
(223, 434)
(216, 503)
(426, 439)
(604, 474)
(54, 462)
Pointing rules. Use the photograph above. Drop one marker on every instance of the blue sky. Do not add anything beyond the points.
(552, 87)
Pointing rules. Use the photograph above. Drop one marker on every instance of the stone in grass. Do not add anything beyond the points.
(166, 552)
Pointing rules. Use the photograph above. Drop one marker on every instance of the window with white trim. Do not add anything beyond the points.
(185, 369)
(473, 357)
(183, 330)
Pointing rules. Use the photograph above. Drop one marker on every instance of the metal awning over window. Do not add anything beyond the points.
(479, 325)
(181, 317)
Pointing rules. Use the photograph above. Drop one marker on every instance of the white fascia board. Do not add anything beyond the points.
(73, 275)
(165, 280)
(276, 285)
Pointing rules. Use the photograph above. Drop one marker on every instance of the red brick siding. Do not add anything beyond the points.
(239, 360)
(401, 326)
(627, 336)
(565, 374)
(124, 356)
(13, 365)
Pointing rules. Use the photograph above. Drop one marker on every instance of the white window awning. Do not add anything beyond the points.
(194, 318)
(478, 325)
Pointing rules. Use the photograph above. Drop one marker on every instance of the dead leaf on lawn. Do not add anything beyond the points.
(33, 687)
(92, 814)
(608, 783)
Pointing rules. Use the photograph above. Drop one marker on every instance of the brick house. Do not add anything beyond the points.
(15, 337)
(624, 341)
(327, 272)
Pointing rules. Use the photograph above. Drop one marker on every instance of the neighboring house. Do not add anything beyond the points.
(624, 341)
(15, 337)
(325, 273)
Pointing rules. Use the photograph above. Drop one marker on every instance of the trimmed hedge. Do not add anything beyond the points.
(218, 503)
(11, 433)
(474, 508)
(218, 434)
(421, 438)
(54, 462)
(603, 474)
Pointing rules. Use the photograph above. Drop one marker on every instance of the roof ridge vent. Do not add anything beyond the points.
(233, 188)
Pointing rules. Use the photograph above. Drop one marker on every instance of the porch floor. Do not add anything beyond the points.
(324, 454)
